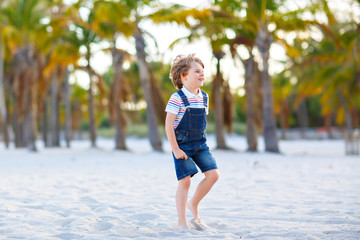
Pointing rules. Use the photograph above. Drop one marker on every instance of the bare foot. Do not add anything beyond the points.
(194, 210)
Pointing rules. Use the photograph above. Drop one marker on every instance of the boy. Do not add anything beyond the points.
(185, 127)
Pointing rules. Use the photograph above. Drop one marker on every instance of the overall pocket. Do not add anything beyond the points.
(197, 122)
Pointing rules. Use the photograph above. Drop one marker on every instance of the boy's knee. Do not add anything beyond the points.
(216, 176)
(213, 175)
(185, 182)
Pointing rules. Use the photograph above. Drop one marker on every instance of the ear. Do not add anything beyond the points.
(183, 76)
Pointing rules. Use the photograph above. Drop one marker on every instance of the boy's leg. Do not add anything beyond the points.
(203, 188)
(181, 202)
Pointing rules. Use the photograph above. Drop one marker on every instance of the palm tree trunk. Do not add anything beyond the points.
(355, 118)
(228, 103)
(118, 60)
(54, 133)
(284, 115)
(327, 124)
(158, 98)
(154, 135)
(92, 115)
(250, 78)
(350, 141)
(45, 131)
(17, 126)
(77, 118)
(263, 42)
(9, 129)
(91, 111)
(67, 110)
(28, 106)
(30, 136)
(91, 100)
(3, 110)
(258, 101)
(218, 104)
(18, 115)
(303, 118)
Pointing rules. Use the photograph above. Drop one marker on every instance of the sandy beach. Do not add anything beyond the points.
(310, 191)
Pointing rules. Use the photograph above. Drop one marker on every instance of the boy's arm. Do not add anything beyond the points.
(170, 133)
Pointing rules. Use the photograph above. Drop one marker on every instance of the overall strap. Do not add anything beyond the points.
(183, 98)
(205, 98)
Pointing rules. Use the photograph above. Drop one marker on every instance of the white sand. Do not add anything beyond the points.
(311, 191)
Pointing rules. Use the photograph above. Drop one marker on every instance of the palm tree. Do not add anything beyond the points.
(253, 27)
(130, 21)
(252, 77)
(24, 19)
(55, 108)
(3, 110)
(140, 45)
(60, 49)
(245, 30)
(78, 100)
(217, 93)
(67, 109)
(155, 138)
(88, 36)
(263, 42)
(329, 67)
(252, 83)
(118, 93)
(111, 22)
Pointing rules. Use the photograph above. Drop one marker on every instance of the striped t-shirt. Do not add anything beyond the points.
(176, 105)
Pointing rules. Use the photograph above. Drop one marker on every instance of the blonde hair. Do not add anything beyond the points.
(181, 66)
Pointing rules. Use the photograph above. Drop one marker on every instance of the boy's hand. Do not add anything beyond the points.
(180, 154)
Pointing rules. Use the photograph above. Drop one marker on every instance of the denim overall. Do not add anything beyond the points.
(191, 138)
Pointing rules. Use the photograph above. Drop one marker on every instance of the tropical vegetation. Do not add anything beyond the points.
(45, 45)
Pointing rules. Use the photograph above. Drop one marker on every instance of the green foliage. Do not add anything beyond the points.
(105, 123)
(315, 117)
(141, 130)
(240, 108)
(323, 57)
(85, 126)
(137, 130)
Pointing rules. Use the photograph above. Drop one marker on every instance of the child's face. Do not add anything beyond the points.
(195, 77)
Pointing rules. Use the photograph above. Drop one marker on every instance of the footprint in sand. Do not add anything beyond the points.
(88, 200)
(64, 222)
(218, 225)
(143, 217)
(68, 236)
(102, 226)
(171, 234)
